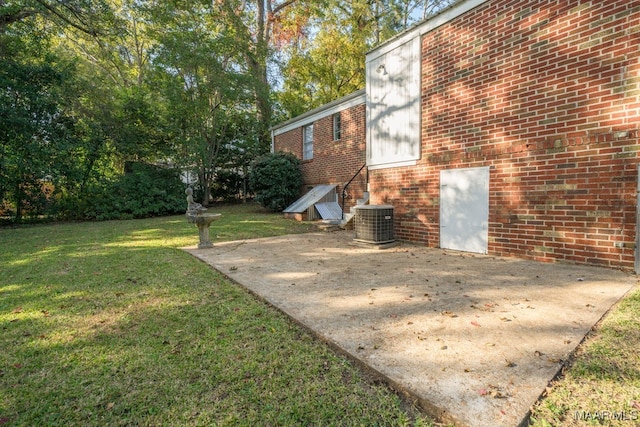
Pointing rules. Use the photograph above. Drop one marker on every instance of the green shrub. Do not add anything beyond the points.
(276, 179)
(143, 191)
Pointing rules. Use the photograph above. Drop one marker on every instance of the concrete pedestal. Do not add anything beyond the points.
(203, 221)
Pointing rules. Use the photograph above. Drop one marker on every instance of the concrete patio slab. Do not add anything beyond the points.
(474, 339)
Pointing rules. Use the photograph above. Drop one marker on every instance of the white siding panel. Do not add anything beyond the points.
(393, 105)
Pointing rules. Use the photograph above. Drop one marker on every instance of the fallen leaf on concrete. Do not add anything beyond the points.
(475, 324)
(509, 364)
(497, 394)
(493, 391)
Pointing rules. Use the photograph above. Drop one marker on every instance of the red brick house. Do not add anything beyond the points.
(508, 127)
(330, 141)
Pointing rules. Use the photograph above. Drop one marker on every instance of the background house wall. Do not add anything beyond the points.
(334, 162)
(547, 94)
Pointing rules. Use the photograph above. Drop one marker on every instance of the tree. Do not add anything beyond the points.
(253, 25)
(98, 95)
(88, 86)
(86, 16)
(205, 86)
(120, 62)
(36, 131)
(324, 57)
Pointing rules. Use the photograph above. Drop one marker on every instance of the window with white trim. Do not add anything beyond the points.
(337, 125)
(307, 142)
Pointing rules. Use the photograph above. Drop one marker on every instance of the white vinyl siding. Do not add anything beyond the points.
(393, 106)
(307, 142)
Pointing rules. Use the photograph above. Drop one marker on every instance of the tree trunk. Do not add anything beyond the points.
(19, 197)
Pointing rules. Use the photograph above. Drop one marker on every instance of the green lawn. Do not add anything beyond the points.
(111, 323)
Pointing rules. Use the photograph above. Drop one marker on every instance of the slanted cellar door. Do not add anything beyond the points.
(464, 209)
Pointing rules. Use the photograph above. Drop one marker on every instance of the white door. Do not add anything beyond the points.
(464, 209)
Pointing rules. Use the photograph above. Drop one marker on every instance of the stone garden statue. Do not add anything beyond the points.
(192, 205)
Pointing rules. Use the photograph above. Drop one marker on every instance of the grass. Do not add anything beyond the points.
(111, 323)
(602, 384)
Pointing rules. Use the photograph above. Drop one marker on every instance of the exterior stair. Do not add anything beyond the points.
(348, 217)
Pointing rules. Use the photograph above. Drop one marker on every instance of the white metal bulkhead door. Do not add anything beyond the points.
(464, 209)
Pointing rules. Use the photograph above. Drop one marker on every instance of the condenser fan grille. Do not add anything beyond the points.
(374, 224)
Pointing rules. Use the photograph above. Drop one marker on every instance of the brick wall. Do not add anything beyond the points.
(289, 142)
(334, 162)
(547, 94)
